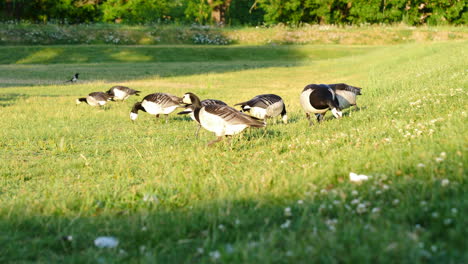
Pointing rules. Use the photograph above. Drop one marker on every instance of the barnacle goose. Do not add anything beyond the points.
(265, 106)
(220, 119)
(318, 99)
(95, 99)
(74, 78)
(189, 110)
(156, 104)
(346, 94)
(121, 92)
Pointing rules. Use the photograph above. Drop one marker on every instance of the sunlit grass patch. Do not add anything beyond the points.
(71, 174)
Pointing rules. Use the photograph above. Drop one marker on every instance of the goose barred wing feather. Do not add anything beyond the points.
(100, 96)
(345, 87)
(163, 99)
(212, 102)
(124, 89)
(263, 100)
(232, 116)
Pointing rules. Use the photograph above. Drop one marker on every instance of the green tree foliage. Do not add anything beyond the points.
(413, 12)
(239, 12)
(142, 11)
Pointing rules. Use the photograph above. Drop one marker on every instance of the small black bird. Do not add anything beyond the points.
(74, 78)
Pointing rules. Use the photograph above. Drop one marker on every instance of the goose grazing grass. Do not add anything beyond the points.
(265, 106)
(318, 99)
(189, 110)
(346, 94)
(121, 93)
(95, 99)
(223, 120)
(156, 104)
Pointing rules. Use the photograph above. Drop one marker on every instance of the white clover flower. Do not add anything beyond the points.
(378, 192)
(444, 182)
(454, 211)
(229, 248)
(237, 222)
(385, 187)
(443, 154)
(323, 191)
(357, 178)
(434, 248)
(361, 208)
(421, 165)
(106, 242)
(289, 253)
(215, 255)
(355, 201)
(435, 215)
(221, 227)
(286, 224)
(336, 202)
(448, 221)
(375, 210)
(151, 198)
(300, 202)
(396, 201)
(354, 192)
(144, 228)
(423, 203)
(439, 159)
(287, 211)
(200, 250)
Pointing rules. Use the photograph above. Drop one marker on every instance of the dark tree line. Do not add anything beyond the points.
(238, 12)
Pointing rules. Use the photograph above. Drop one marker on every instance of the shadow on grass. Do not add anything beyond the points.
(11, 98)
(258, 229)
(118, 63)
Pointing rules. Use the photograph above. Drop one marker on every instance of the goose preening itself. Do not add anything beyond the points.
(265, 106)
(318, 99)
(74, 78)
(156, 104)
(346, 94)
(189, 110)
(223, 120)
(95, 99)
(121, 93)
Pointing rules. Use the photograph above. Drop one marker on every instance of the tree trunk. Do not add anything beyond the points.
(218, 11)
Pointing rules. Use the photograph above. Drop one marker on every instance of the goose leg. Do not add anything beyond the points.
(218, 139)
(310, 120)
(196, 132)
(166, 117)
(319, 117)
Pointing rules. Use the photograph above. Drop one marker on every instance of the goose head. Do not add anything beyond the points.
(337, 112)
(134, 113)
(191, 98)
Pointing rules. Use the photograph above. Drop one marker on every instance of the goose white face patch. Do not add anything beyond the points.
(133, 116)
(186, 99)
(336, 113)
(285, 119)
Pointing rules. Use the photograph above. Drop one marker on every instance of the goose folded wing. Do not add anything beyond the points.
(232, 116)
(345, 87)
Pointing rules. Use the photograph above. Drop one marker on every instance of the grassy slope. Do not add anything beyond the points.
(85, 172)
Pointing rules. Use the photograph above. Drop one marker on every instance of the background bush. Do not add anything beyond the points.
(238, 12)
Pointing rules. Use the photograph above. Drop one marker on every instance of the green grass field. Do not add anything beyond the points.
(275, 195)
